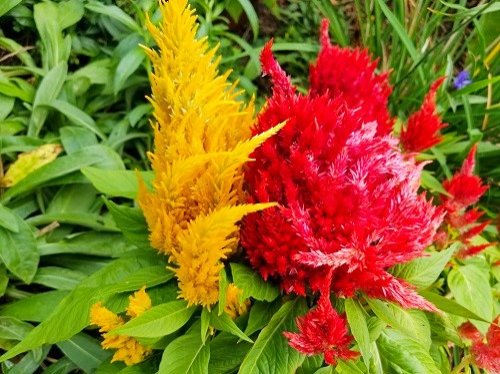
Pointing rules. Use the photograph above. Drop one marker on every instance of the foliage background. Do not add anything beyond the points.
(72, 72)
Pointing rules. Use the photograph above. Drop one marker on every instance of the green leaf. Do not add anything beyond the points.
(205, 324)
(158, 321)
(471, 288)
(271, 352)
(252, 16)
(410, 322)
(75, 138)
(34, 308)
(75, 115)
(4, 280)
(131, 222)
(8, 219)
(47, 92)
(359, 329)
(18, 250)
(403, 354)
(260, 315)
(84, 351)
(450, 306)
(126, 67)
(431, 183)
(424, 271)
(251, 284)
(13, 329)
(58, 278)
(117, 183)
(224, 360)
(115, 13)
(7, 5)
(223, 322)
(95, 155)
(223, 284)
(186, 354)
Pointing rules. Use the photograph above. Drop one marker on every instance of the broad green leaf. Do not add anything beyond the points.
(69, 13)
(117, 183)
(8, 219)
(411, 322)
(18, 250)
(115, 13)
(47, 92)
(471, 288)
(7, 5)
(450, 306)
(431, 183)
(34, 308)
(30, 362)
(260, 315)
(94, 155)
(442, 330)
(89, 243)
(74, 138)
(402, 354)
(76, 116)
(186, 354)
(131, 222)
(223, 322)
(126, 67)
(4, 280)
(158, 321)
(251, 15)
(424, 271)
(224, 360)
(252, 284)
(13, 329)
(271, 352)
(347, 367)
(72, 314)
(84, 351)
(58, 278)
(62, 366)
(356, 317)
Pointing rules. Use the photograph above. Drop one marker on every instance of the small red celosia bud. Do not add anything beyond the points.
(422, 130)
(486, 352)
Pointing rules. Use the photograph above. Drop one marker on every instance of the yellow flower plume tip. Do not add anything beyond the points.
(104, 318)
(139, 302)
(202, 138)
(234, 308)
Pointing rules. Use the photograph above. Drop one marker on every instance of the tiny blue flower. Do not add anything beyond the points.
(462, 79)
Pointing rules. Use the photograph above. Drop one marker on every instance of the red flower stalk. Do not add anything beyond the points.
(465, 189)
(422, 130)
(323, 330)
(349, 207)
(350, 72)
(485, 350)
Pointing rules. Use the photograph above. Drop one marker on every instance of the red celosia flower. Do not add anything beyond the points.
(349, 207)
(465, 189)
(486, 352)
(350, 72)
(422, 130)
(322, 330)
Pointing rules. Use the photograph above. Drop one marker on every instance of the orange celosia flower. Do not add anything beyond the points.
(202, 140)
(128, 349)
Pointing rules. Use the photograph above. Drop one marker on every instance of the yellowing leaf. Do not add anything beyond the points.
(28, 162)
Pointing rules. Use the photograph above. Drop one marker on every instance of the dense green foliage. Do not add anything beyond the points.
(73, 73)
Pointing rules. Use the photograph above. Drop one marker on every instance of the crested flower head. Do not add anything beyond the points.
(127, 349)
(202, 139)
(234, 306)
(323, 331)
(349, 202)
(422, 130)
(464, 190)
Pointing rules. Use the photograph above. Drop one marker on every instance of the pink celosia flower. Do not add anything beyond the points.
(485, 350)
(322, 330)
(465, 189)
(422, 130)
(348, 197)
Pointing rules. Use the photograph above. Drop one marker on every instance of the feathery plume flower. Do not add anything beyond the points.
(464, 189)
(128, 349)
(323, 331)
(485, 349)
(422, 130)
(234, 307)
(202, 139)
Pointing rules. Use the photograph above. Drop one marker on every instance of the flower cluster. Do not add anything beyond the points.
(128, 349)
(485, 350)
(202, 139)
(235, 307)
(464, 190)
(349, 207)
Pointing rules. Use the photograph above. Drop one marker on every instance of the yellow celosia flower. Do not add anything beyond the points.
(202, 140)
(128, 349)
(234, 307)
